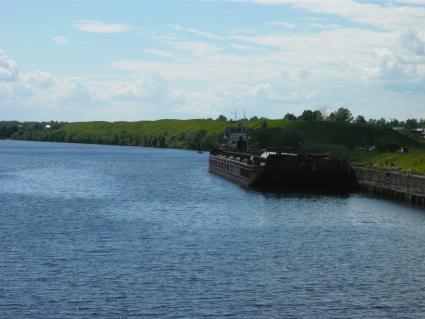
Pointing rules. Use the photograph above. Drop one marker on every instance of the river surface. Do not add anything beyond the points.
(89, 231)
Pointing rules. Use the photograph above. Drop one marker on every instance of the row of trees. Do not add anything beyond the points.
(8, 128)
(199, 139)
(344, 115)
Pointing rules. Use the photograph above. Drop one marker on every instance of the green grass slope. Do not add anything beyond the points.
(315, 134)
(412, 162)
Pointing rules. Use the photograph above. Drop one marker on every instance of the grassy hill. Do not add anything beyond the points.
(314, 133)
(341, 139)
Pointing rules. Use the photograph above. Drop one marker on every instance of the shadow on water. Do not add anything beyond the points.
(392, 200)
(305, 192)
(332, 193)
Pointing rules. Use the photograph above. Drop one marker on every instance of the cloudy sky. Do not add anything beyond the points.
(134, 60)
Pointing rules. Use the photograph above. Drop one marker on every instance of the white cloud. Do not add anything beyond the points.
(40, 92)
(59, 40)
(323, 26)
(412, 41)
(411, 2)
(335, 66)
(245, 47)
(197, 49)
(99, 27)
(266, 73)
(389, 17)
(152, 88)
(284, 24)
(204, 34)
(8, 69)
(263, 90)
(160, 53)
(38, 81)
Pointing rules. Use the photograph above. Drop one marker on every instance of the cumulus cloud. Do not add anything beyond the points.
(99, 27)
(388, 66)
(413, 43)
(151, 88)
(40, 91)
(263, 90)
(38, 80)
(8, 69)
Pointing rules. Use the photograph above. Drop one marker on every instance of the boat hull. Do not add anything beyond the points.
(239, 172)
(285, 172)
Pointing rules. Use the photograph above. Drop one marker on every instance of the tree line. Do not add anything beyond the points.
(8, 128)
(344, 115)
(196, 137)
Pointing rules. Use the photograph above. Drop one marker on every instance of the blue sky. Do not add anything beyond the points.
(135, 60)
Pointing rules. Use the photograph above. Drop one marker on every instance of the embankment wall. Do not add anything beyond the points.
(396, 185)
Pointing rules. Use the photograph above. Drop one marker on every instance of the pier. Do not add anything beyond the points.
(405, 187)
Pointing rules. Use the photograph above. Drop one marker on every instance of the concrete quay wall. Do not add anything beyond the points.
(392, 184)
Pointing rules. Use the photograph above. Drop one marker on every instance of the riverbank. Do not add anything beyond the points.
(366, 145)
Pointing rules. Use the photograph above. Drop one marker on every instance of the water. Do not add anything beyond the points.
(92, 231)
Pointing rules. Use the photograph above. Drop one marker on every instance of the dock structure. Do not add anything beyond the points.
(405, 187)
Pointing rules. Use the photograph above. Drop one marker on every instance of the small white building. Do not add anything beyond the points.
(418, 132)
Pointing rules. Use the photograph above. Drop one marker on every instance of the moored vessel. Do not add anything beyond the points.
(277, 169)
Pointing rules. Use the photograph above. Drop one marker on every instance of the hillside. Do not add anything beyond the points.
(341, 139)
(146, 133)
(192, 133)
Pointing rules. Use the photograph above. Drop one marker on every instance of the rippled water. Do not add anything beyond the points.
(99, 231)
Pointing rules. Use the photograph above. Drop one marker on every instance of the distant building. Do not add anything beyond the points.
(399, 129)
(418, 132)
(48, 126)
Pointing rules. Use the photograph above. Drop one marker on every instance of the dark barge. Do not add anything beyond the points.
(276, 169)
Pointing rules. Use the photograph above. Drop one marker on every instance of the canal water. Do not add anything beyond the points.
(90, 231)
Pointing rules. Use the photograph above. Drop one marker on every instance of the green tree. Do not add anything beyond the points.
(411, 124)
(309, 115)
(290, 117)
(393, 123)
(341, 115)
(360, 120)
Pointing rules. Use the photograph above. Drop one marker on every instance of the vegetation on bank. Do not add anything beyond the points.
(340, 134)
(411, 163)
(207, 134)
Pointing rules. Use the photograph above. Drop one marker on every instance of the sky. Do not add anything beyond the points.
(143, 60)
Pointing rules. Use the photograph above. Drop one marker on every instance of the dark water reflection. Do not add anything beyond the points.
(97, 231)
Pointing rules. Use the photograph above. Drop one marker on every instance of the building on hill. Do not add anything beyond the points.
(418, 132)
